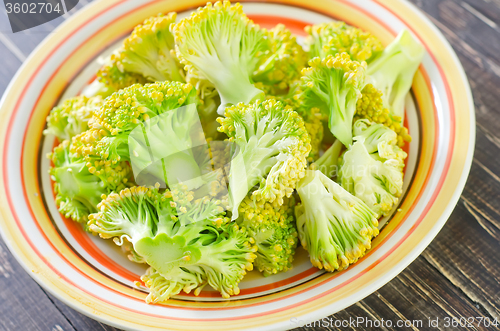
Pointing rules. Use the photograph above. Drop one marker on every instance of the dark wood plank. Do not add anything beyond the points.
(419, 294)
(7, 71)
(23, 304)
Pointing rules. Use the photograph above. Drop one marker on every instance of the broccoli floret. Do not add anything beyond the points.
(337, 37)
(371, 107)
(274, 231)
(334, 226)
(116, 176)
(71, 117)
(113, 77)
(312, 116)
(281, 64)
(77, 190)
(169, 136)
(187, 243)
(209, 103)
(334, 85)
(98, 88)
(392, 71)
(220, 44)
(372, 168)
(273, 145)
(328, 162)
(146, 55)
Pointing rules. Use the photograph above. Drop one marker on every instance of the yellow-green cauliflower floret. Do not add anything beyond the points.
(372, 168)
(219, 43)
(187, 243)
(333, 85)
(273, 145)
(274, 231)
(371, 107)
(71, 117)
(335, 227)
(77, 190)
(282, 62)
(337, 37)
(146, 55)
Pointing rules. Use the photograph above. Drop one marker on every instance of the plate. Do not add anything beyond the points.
(93, 276)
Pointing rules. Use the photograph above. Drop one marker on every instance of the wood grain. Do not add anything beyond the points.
(457, 276)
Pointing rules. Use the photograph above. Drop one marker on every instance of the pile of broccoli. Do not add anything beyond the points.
(209, 146)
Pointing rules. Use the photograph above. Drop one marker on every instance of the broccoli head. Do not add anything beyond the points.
(116, 176)
(392, 71)
(219, 43)
(72, 116)
(334, 85)
(113, 77)
(372, 168)
(272, 148)
(146, 55)
(187, 243)
(282, 62)
(164, 135)
(274, 231)
(337, 37)
(312, 116)
(371, 107)
(77, 190)
(334, 226)
(328, 162)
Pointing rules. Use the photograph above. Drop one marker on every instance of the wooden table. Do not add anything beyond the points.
(458, 275)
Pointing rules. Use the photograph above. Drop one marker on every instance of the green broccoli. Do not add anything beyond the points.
(72, 116)
(312, 116)
(146, 55)
(371, 107)
(392, 71)
(97, 88)
(372, 168)
(334, 85)
(334, 226)
(337, 37)
(274, 231)
(273, 145)
(220, 44)
(328, 162)
(187, 243)
(282, 63)
(170, 135)
(77, 190)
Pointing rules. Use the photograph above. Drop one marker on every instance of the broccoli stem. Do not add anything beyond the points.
(328, 162)
(321, 242)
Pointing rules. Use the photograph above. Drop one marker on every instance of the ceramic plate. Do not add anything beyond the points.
(94, 277)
